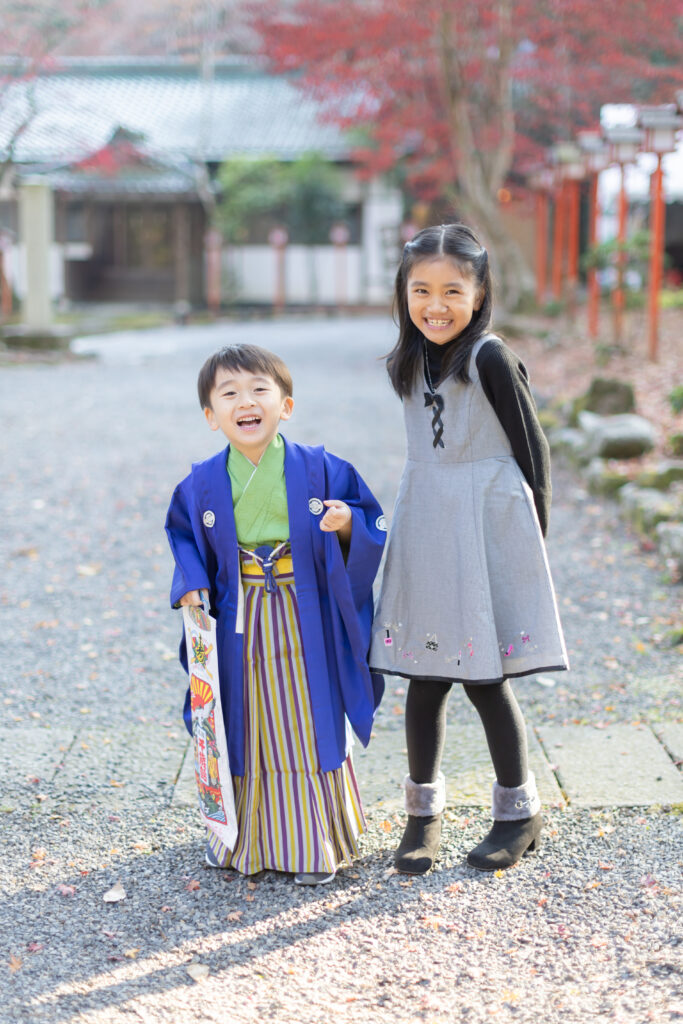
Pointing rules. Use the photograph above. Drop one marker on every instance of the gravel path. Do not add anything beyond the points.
(92, 740)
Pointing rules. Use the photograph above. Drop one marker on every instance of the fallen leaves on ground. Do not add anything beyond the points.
(434, 921)
(91, 569)
(192, 885)
(66, 890)
(198, 972)
(115, 894)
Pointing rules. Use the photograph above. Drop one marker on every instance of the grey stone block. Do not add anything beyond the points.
(646, 507)
(670, 540)
(621, 765)
(617, 437)
(662, 476)
(570, 441)
(607, 396)
(601, 480)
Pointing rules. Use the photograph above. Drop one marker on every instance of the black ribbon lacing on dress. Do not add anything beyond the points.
(437, 423)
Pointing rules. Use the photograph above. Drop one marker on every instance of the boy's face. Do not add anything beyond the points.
(248, 408)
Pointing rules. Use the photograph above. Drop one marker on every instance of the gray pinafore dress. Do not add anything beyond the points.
(466, 593)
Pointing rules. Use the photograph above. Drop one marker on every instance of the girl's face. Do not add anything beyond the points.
(441, 298)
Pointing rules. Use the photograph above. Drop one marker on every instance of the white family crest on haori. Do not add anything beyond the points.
(211, 764)
(315, 506)
(381, 523)
(209, 518)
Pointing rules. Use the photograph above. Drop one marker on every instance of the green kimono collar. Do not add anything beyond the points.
(259, 496)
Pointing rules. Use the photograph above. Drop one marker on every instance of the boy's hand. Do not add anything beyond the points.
(192, 597)
(337, 519)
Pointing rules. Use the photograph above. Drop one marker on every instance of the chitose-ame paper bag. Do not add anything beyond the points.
(211, 765)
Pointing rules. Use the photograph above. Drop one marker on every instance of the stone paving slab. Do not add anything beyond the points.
(620, 765)
(671, 735)
(185, 792)
(466, 764)
(116, 768)
(32, 752)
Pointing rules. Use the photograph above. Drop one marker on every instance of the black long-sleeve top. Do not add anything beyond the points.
(505, 381)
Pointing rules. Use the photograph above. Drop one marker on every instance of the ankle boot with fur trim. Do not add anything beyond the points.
(420, 843)
(516, 827)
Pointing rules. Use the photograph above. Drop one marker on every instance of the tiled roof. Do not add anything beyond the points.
(167, 184)
(242, 110)
(124, 166)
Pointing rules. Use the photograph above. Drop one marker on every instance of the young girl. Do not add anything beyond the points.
(466, 595)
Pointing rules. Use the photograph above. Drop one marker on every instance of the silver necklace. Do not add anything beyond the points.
(436, 403)
(428, 375)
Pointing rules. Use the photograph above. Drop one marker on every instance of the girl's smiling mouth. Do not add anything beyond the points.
(436, 324)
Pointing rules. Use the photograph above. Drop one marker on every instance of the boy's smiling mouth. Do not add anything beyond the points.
(248, 421)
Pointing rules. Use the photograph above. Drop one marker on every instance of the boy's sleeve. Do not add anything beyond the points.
(505, 383)
(190, 571)
(368, 532)
(350, 589)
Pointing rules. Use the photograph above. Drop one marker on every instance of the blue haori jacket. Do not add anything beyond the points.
(334, 597)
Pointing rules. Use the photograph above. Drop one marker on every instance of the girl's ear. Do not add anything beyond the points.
(479, 300)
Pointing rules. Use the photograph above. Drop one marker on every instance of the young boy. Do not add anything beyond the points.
(287, 540)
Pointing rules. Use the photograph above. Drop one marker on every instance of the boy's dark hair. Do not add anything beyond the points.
(461, 244)
(250, 358)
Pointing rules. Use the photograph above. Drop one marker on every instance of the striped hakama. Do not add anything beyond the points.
(291, 816)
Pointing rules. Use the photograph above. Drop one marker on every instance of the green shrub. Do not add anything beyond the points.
(669, 299)
(554, 308)
(635, 300)
(676, 444)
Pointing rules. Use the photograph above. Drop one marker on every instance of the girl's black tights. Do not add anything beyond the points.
(500, 715)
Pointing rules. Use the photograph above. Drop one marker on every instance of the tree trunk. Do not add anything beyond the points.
(512, 275)
(480, 175)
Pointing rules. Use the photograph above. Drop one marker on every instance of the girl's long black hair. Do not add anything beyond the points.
(461, 244)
